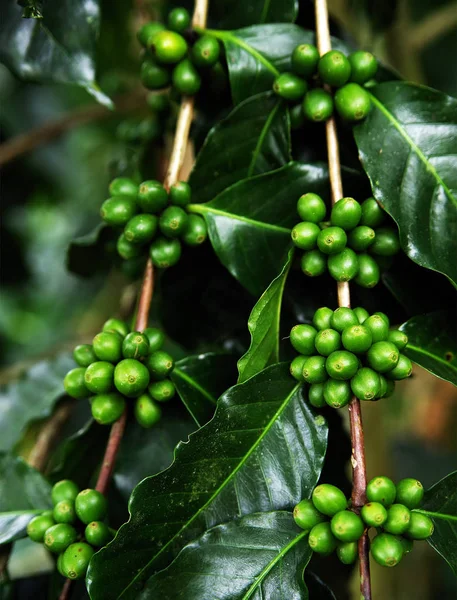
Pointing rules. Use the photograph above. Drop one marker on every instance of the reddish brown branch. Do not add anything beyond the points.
(64, 594)
(48, 435)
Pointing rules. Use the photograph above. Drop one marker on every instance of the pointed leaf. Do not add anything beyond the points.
(264, 327)
(260, 557)
(93, 252)
(432, 343)
(262, 451)
(200, 380)
(408, 146)
(253, 139)
(228, 14)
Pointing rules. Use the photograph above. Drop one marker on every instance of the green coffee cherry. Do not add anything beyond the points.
(180, 194)
(383, 356)
(108, 346)
(296, 116)
(374, 514)
(361, 238)
(117, 326)
(378, 327)
(322, 318)
(311, 208)
(205, 51)
(343, 266)
(328, 499)
(152, 196)
(407, 544)
(398, 518)
(314, 370)
(135, 345)
(37, 527)
(304, 60)
(321, 539)
(383, 316)
(318, 105)
(306, 515)
(90, 505)
(383, 387)
(337, 393)
(361, 313)
(196, 231)
(123, 186)
(126, 249)
(185, 78)
(64, 490)
(313, 263)
(398, 338)
(357, 338)
(154, 76)
(302, 338)
(410, 492)
(162, 391)
(386, 242)
(169, 47)
(366, 384)
(74, 383)
(131, 378)
(352, 102)
(64, 512)
(147, 412)
(387, 550)
(158, 103)
(304, 235)
(160, 364)
(179, 20)
(347, 526)
(334, 68)
(99, 377)
(155, 337)
(403, 369)
(382, 490)
(141, 229)
(58, 537)
(347, 552)
(290, 87)
(173, 221)
(342, 318)
(118, 211)
(59, 565)
(75, 560)
(346, 213)
(331, 240)
(107, 408)
(165, 253)
(97, 534)
(84, 355)
(342, 365)
(363, 66)
(296, 368)
(148, 31)
(316, 395)
(368, 275)
(327, 341)
(372, 213)
(420, 527)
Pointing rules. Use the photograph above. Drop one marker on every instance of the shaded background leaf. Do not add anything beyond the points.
(228, 14)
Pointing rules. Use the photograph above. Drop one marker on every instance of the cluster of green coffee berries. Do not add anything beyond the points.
(152, 220)
(342, 245)
(390, 510)
(332, 70)
(168, 59)
(122, 364)
(74, 529)
(348, 352)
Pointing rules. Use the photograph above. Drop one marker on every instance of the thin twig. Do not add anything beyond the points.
(25, 142)
(64, 594)
(48, 435)
(359, 476)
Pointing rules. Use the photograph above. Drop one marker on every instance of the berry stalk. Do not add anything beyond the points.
(359, 475)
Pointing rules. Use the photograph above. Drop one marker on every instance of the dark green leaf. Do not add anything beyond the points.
(200, 380)
(433, 343)
(440, 503)
(253, 139)
(264, 327)
(408, 146)
(261, 556)
(229, 14)
(90, 253)
(59, 47)
(23, 491)
(250, 222)
(262, 451)
(32, 397)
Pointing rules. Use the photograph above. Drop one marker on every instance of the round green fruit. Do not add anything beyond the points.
(169, 47)
(135, 345)
(372, 213)
(160, 364)
(368, 274)
(58, 537)
(126, 249)
(159, 103)
(366, 384)
(107, 408)
(99, 377)
(361, 238)
(347, 552)
(290, 87)
(302, 338)
(398, 338)
(328, 499)
(357, 338)
(118, 211)
(314, 370)
(321, 539)
(74, 383)
(386, 242)
(162, 391)
(352, 102)
(342, 365)
(154, 76)
(64, 490)
(165, 253)
(403, 369)
(342, 318)
(75, 560)
(346, 213)
(322, 318)
(148, 31)
(327, 341)
(185, 78)
(410, 492)
(147, 412)
(383, 356)
(196, 231)
(155, 337)
(334, 68)
(316, 395)
(64, 512)
(123, 186)
(173, 221)
(318, 105)
(383, 388)
(90, 505)
(374, 514)
(141, 229)
(337, 393)
(387, 550)
(306, 515)
(361, 313)
(37, 527)
(152, 196)
(331, 240)
(296, 368)
(378, 327)
(398, 518)
(296, 116)
(304, 60)
(313, 263)
(180, 194)
(97, 534)
(382, 490)
(116, 326)
(311, 208)
(206, 51)
(131, 378)
(304, 235)
(343, 266)
(107, 346)
(363, 66)
(84, 355)
(178, 19)
(407, 544)
(420, 527)
(347, 526)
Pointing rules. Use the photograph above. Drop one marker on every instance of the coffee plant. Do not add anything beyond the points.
(268, 180)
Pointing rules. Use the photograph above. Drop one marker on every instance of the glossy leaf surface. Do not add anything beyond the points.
(229, 14)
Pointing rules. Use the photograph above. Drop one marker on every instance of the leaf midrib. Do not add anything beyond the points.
(436, 515)
(202, 208)
(261, 138)
(433, 356)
